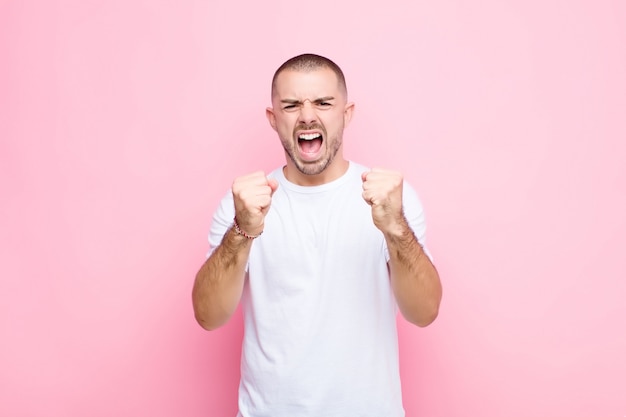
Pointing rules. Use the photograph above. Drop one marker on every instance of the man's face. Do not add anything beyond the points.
(309, 113)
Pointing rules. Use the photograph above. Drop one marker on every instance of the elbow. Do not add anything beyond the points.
(425, 319)
(429, 311)
(206, 314)
(208, 324)
(207, 318)
(422, 317)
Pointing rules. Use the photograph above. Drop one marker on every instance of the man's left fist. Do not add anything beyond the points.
(382, 190)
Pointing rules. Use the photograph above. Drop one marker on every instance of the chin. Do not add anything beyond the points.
(314, 168)
(311, 170)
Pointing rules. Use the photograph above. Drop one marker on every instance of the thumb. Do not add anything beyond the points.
(273, 184)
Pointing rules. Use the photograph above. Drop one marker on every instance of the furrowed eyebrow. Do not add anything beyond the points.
(320, 100)
(316, 101)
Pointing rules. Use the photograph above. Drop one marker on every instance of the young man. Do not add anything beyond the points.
(321, 253)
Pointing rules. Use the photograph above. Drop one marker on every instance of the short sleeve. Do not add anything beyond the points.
(222, 221)
(414, 214)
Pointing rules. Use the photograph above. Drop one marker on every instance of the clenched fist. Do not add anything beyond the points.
(382, 190)
(252, 194)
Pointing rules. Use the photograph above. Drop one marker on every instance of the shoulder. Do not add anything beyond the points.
(357, 168)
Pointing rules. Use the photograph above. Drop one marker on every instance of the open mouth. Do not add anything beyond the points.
(310, 143)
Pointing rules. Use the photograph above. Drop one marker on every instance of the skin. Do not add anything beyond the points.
(315, 102)
(311, 101)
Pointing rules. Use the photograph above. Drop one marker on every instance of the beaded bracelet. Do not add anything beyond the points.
(242, 233)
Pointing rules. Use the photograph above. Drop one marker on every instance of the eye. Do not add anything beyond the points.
(290, 107)
(323, 104)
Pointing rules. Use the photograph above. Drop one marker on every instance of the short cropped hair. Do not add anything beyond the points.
(310, 62)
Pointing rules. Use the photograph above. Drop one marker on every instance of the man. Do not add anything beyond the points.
(321, 253)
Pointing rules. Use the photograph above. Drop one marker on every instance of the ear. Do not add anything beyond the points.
(347, 114)
(269, 113)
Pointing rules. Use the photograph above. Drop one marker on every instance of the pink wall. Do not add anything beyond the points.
(123, 122)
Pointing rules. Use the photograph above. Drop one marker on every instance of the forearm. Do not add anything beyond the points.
(414, 279)
(219, 282)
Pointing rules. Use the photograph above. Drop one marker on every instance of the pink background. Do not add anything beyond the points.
(123, 122)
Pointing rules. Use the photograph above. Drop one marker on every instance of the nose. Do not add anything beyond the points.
(307, 114)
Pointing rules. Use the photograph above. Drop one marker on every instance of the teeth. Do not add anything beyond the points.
(309, 136)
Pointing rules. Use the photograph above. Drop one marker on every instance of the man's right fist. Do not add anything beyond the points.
(252, 194)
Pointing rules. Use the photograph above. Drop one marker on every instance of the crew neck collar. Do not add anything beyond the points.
(311, 189)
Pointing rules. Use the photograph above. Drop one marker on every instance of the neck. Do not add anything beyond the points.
(335, 170)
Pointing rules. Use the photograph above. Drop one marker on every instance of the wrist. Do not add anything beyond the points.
(397, 228)
(242, 232)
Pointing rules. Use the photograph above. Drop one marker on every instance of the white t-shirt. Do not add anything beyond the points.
(320, 335)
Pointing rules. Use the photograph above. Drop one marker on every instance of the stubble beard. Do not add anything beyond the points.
(316, 167)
